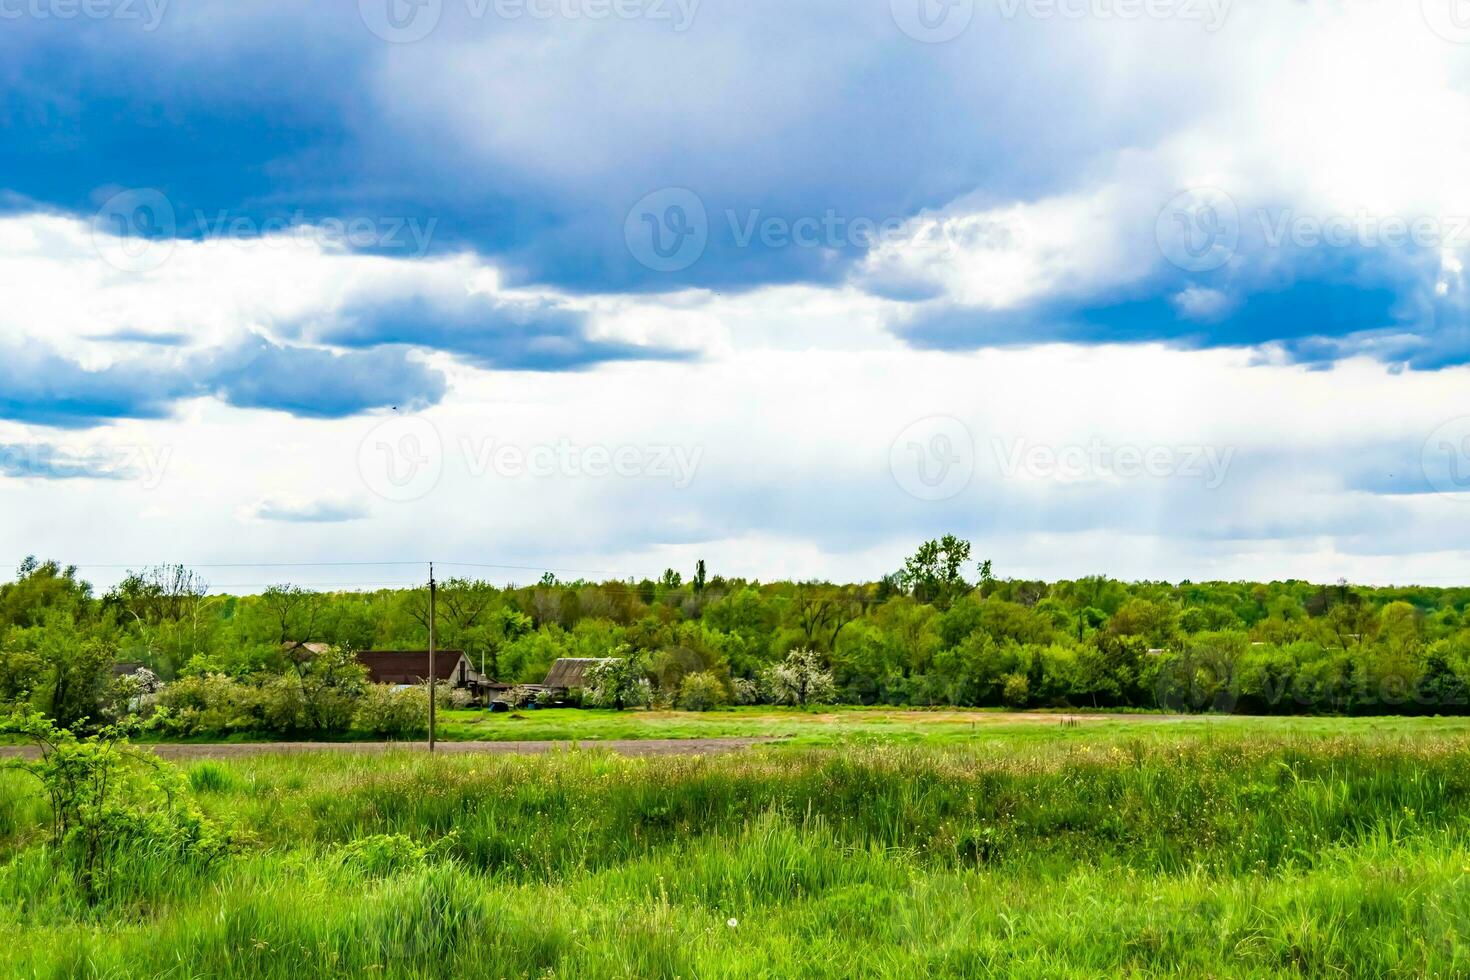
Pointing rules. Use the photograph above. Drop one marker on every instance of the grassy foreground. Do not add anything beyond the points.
(1206, 854)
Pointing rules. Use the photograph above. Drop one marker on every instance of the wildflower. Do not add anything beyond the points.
(733, 923)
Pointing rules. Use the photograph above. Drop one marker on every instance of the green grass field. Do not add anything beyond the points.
(832, 726)
(1223, 847)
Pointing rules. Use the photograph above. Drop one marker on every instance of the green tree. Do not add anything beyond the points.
(618, 681)
(932, 574)
(801, 679)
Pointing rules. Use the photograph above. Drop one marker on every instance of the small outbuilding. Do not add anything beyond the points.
(570, 673)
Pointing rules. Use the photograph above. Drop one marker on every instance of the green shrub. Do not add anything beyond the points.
(703, 692)
(110, 801)
(392, 713)
(208, 704)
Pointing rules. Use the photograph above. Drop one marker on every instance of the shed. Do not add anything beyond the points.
(570, 673)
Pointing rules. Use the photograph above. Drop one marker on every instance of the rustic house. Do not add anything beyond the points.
(405, 667)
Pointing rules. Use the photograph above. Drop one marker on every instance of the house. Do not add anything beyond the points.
(569, 673)
(294, 648)
(406, 667)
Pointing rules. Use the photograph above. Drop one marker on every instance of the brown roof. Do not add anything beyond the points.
(408, 666)
(312, 648)
(569, 672)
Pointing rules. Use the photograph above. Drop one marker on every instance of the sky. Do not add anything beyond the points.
(1161, 289)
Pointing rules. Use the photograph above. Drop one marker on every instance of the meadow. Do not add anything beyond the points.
(1225, 847)
(835, 725)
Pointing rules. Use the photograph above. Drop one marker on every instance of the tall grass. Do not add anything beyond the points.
(1237, 856)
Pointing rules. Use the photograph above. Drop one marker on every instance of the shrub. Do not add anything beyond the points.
(208, 704)
(746, 691)
(393, 713)
(108, 798)
(702, 692)
(448, 697)
(281, 706)
(327, 684)
(519, 696)
(1016, 690)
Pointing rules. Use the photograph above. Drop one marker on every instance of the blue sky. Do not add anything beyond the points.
(830, 277)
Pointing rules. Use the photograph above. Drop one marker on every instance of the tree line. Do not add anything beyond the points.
(942, 630)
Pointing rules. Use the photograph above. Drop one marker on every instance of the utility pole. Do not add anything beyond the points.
(433, 674)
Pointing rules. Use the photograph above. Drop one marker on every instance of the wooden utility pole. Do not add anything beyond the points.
(433, 674)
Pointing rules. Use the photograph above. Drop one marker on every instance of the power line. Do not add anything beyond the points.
(336, 564)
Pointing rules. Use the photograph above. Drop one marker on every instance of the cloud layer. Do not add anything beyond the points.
(237, 240)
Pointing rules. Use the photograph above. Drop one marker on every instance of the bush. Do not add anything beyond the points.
(449, 698)
(108, 799)
(393, 713)
(702, 692)
(208, 704)
(519, 696)
(746, 691)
